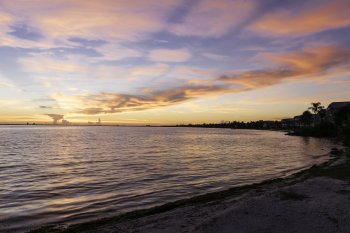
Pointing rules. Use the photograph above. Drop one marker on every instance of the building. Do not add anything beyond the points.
(334, 107)
(65, 122)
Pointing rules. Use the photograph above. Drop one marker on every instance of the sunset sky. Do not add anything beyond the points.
(171, 61)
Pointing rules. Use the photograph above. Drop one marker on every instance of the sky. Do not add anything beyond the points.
(170, 61)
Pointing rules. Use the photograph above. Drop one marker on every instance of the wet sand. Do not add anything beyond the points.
(314, 200)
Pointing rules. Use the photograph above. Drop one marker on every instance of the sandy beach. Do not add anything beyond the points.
(314, 200)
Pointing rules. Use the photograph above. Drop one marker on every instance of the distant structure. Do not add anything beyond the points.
(55, 117)
(65, 122)
(99, 122)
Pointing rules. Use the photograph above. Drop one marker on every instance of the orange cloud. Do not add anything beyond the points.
(5, 19)
(311, 62)
(114, 103)
(291, 22)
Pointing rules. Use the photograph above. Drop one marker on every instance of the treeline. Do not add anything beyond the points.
(239, 125)
(327, 123)
(316, 121)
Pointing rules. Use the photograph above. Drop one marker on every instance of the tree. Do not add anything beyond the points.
(316, 107)
(306, 117)
(322, 113)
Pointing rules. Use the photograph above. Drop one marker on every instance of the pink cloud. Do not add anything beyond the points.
(312, 62)
(321, 16)
(129, 20)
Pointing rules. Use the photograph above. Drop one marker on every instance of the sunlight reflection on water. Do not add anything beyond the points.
(73, 174)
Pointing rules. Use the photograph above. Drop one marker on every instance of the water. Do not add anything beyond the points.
(73, 174)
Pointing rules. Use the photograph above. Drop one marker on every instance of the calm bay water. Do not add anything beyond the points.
(73, 174)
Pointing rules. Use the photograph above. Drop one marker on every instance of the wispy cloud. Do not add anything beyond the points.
(170, 55)
(213, 18)
(315, 17)
(43, 64)
(114, 103)
(109, 19)
(5, 21)
(114, 51)
(151, 70)
(214, 56)
(48, 69)
(310, 63)
(5, 82)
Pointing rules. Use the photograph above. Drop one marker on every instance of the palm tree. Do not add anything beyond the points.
(316, 107)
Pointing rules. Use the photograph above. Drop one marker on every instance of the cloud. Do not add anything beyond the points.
(45, 107)
(114, 51)
(23, 31)
(193, 71)
(309, 63)
(12, 35)
(49, 69)
(152, 71)
(170, 55)
(5, 82)
(55, 117)
(44, 64)
(213, 18)
(114, 103)
(213, 56)
(5, 21)
(317, 17)
(109, 19)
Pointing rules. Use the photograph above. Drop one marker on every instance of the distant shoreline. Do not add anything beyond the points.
(143, 126)
(55, 125)
(148, 126)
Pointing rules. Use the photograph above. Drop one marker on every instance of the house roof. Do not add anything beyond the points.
(336, 105)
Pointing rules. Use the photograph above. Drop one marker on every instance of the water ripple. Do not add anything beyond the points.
(74, 174)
